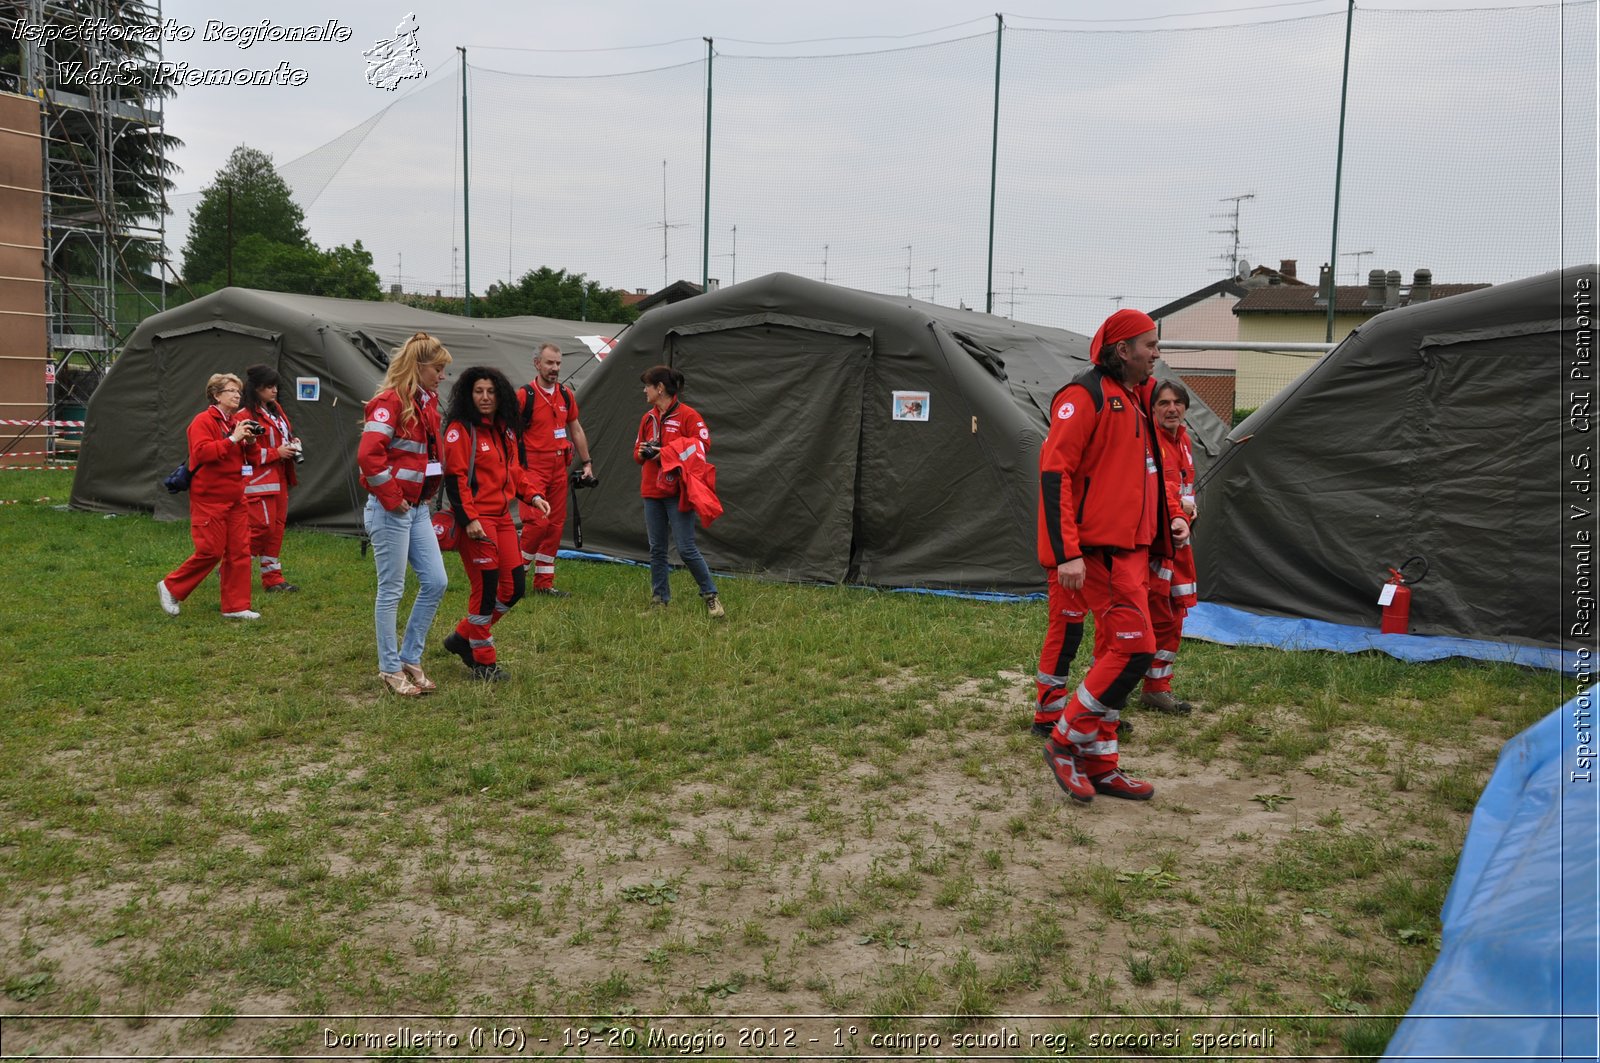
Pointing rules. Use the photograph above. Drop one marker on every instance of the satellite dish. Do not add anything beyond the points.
(1244, 269)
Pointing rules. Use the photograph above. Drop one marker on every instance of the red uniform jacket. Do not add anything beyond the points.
(1095, 473)
(688, 456)
(498, 475)
(272, 474)
(1177, 468)
(394, 457)
(547, 417)
(678, 422)
(215, 460)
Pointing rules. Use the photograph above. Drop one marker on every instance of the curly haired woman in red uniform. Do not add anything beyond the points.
(483, 473)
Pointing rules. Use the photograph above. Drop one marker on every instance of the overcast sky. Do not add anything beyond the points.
(624, 36)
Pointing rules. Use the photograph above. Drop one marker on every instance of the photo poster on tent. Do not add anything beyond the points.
(910, 405)
(308, 388)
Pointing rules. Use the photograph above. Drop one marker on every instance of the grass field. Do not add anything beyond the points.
(828, 805)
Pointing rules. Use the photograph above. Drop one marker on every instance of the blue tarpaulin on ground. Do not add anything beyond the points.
(1237, 627)
(1516, 976)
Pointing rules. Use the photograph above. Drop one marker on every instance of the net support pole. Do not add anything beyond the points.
(466, 187)
(705, 230)
(994, 162)
(1338, 171)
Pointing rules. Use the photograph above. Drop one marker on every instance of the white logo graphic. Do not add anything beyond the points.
(395, 60)
(704, 434)
(1067, 410)
(452, 435)
(380, 415)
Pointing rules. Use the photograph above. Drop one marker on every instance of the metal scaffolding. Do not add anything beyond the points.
(95, 91)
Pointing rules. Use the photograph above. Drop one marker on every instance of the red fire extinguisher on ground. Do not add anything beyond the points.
(1396, 597)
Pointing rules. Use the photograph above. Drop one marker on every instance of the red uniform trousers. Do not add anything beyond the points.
(1115, 588)
(1172, 583)
(268, 514)
(1061, 639)
(541, 535)
(221, 534)
(496, 581)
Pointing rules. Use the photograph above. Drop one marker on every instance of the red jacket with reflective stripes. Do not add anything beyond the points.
(679, 421)
(272, 474)
(1177, 469)
(394, 457)
(495, 469)
(1093, 472)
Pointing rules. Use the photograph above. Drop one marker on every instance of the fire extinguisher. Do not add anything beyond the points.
(1396, 597)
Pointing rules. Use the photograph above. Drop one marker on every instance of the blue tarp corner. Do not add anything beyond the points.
(1516, 975)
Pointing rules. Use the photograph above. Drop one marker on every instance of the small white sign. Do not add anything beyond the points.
(910, 405)
(308, 388)
(1386, 595)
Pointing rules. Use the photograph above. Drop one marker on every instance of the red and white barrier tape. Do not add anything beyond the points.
(44, 424)
(37, 468)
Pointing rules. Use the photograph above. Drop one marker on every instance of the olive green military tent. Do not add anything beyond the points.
(331, 355)
(1445, 430)
(858, 438)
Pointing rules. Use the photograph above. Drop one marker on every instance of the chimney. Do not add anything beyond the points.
(437, 294)
(1324, 285)
(1286, 267)
(640, 291)
(712, 284)
(1391, 293)
(1375, 286)
(1422, 286)
(394, 291)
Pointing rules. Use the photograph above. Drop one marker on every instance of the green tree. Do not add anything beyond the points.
(248, 198)
(267, 239)
(550, 292)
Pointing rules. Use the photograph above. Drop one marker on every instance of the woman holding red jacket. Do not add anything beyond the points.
(665, 521)
(399, 455)
(266, 491)
(219, 441)
(483, 472)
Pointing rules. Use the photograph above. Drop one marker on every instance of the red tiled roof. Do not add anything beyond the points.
(1302, 299)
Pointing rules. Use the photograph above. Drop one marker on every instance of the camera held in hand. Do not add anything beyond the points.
(649, 452)
(255, 428)
(581, 479)
(299, 450)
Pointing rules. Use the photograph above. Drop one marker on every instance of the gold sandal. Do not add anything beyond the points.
(414, 673)
(399, 683)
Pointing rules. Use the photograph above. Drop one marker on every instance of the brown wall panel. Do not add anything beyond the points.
(23, 332)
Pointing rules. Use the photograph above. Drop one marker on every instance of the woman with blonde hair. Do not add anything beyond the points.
(399, 456)
(219, 441)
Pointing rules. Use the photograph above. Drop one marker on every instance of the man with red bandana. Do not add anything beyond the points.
(1102, 509)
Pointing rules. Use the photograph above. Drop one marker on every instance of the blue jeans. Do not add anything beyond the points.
(398, 539)
(661, 517)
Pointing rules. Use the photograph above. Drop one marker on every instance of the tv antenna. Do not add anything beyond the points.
(1358, 255)
(665, 225)
(1011, 300)
(1231, 257)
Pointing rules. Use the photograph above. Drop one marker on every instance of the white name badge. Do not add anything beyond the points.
(433, 469)
(247, 470)
(561, 433)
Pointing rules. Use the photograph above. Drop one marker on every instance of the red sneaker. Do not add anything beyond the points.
(1115, 784)
(1069, 776)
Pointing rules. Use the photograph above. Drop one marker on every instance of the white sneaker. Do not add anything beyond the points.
(243, 614)
(169, 604)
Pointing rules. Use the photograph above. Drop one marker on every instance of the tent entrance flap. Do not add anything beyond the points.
(185, 360)
(783, 403)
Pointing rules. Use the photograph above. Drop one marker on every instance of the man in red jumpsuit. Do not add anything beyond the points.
(551, 414)
(1102, 510)
(1172, 579)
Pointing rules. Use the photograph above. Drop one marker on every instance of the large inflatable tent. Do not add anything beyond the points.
(858, 438)
(338, 349)
(1439, 430)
